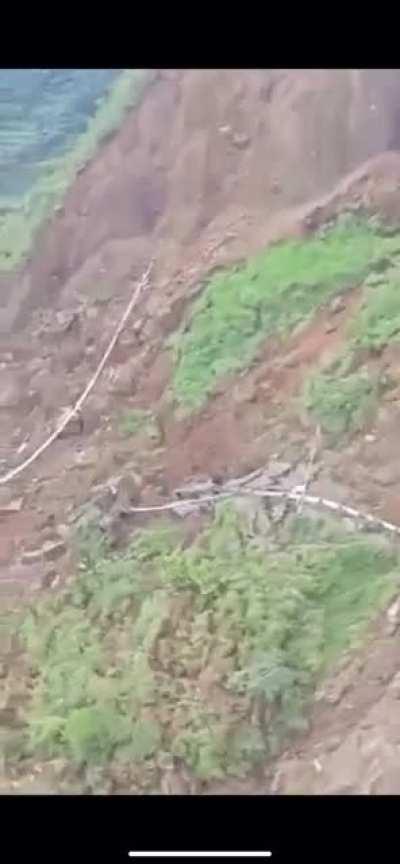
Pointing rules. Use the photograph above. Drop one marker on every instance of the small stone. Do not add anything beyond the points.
(331, 327)
(53, 550)
(86, 458)
(48, 522)
(122, 380)
(370, 439)
(337, 305)
(240, 140)
(74, 427)
(138, 326)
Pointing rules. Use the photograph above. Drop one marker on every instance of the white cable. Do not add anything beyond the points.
(78, 405)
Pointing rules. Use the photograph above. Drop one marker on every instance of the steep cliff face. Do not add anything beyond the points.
(205, 147)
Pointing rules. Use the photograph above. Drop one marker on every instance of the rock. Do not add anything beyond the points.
(53, 550)
(104, 497)
(337, 305)
(48, 521)
(128, 488)
(49, 578)
(74, 427)
(370, 439)
(240, 140)
(138, 326)
(67, 321)
(86, 458)
(122, 380)
(331, 327)
(333, 743)
(63, 531)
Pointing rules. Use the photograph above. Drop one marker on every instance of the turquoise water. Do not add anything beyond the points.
(42, 111)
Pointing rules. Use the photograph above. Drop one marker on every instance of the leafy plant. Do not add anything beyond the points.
(268, 297)
(181, 651)
(135, 421)
(341, 401)
(378, 321)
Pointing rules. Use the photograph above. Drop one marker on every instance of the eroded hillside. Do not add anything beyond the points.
(183, 654)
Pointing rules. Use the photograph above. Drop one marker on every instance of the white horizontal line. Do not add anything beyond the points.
(200, 854)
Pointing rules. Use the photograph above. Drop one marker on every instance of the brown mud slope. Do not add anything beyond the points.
(212, 167)
(206, 151)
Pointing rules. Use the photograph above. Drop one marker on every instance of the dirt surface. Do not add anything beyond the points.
(208, 153)
(199, 177)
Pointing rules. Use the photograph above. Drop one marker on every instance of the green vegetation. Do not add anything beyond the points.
(378, 321)
(136, 420)
(268, 297)
(208, 653)
(18, 227)
(342, 401)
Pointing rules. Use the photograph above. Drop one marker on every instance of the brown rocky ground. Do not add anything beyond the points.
(199, 177)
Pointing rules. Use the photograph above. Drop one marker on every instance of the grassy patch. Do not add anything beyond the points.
(18, 227)
(269, 296)
(378, 321)
(342, 401)
(136, 420)
(208, 654)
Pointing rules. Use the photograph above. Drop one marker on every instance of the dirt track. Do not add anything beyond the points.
(201, 197)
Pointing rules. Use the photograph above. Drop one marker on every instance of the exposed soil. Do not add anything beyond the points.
(212, 167)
